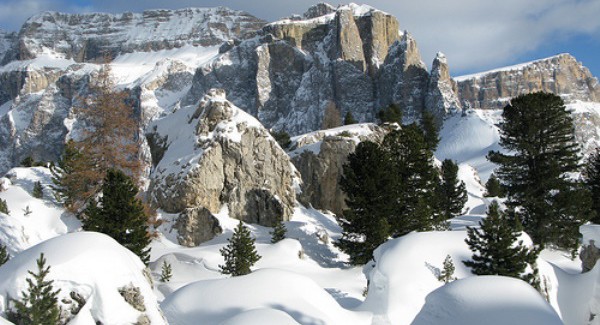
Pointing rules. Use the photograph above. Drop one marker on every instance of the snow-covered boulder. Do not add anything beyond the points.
(277, 293)
(491, 300)
(93, 266)
(216, 154)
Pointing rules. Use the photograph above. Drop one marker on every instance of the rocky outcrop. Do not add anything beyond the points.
(89, 37)
(320, 156)
(196, 225)
(561, 75)
(589, 256)
(442, 92)
(219, 155)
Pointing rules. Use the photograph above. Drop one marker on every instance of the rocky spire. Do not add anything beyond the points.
(442, 95)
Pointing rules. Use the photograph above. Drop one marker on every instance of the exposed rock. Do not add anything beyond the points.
(561, 75)
(224, 157)
(442, 97)
(320, 156)
(589, 256)
(318, 10)
(133, 297)
(196, 226)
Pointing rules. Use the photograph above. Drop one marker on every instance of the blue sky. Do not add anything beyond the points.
(475, 35)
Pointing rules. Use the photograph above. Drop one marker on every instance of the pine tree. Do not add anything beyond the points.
(282, 137)
(430, 130)
(591, 174)
(166, 272)
(27, 211)
(278, 233)
(73, 177)
(390, 114)
(447, 274)
(4, 207)
(365, 181)
(451, 192)
(538, 132)
(120, 214)
(38, 190)
(39, 304)
(496, 249)
(493, 187)
(240, 254)
(4, 256)
(349, 119)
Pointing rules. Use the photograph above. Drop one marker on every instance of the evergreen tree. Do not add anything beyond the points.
(430, 130)
(27, 162)
(4, 256)
(38, 190)
(27, 211)
(591, 174)
(390, 114)
(74, 180)
(283, 138)
(39, 304)
(349, 119)
(451, 192)
(240, 254)
(538, 133)
(166, 272)
(496, 249)
(366, 181)
(120, 214)
(4, 207)
(278, 233)
(447, 274)
(493, 188)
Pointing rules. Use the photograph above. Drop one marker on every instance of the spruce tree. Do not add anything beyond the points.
(451, 192)
(119, 214)
(4, 256)
(4, 207)
(538, 134)
(496, 249)
(390, 114)
(447, 273)
(166, 272)
(240, 254)
(591, 174)
(39, 304)
(282, 138)
(278, 233)
(430, 130)
(366, 181)
(349, 119)
(38, 190)
(74, 178)
(493, 188)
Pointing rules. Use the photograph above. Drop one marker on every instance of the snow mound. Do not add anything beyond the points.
(486, 299)
(261, 316)
(92, 265)
(215, 301)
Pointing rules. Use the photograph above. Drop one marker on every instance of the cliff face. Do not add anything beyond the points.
(561, 75)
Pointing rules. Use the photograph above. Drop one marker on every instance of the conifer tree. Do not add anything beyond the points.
(447, 273)
(451, 192)
(74, 181)
(430, 130)
(366, 180)
(493, 187)
(538, 134)
(166, 272)
(591, 174)
(349, 119)
(278, 233)
(240, 254)
(390, 114)
(496, 249)
(282, 137)
(4, 256)
(4, 207)
(119, 214)
(39, 304)
(27, 211)
(38, 191)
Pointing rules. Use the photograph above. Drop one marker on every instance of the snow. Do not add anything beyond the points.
(492, 300)
(516, 67)
(312, 141)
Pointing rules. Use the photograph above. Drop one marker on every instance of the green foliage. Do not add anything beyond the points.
(39, 304)
(497, 251)
(27, 211)
(4, 207)
(240, 254)
(390, 114)
(4, 256)
(430, 130)
(591, 175)
(538, 132)
(120, 214)
(27, 162)
(38, 190)
(349, 119)
(278, 233)
(447, 273)
(493, 188)
(451, 192)
(283, 138)
(166, 272)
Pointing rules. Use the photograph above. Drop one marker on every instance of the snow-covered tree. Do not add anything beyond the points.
(447, 273)
(240, 254)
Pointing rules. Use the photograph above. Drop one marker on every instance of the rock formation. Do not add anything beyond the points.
(441, 98)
